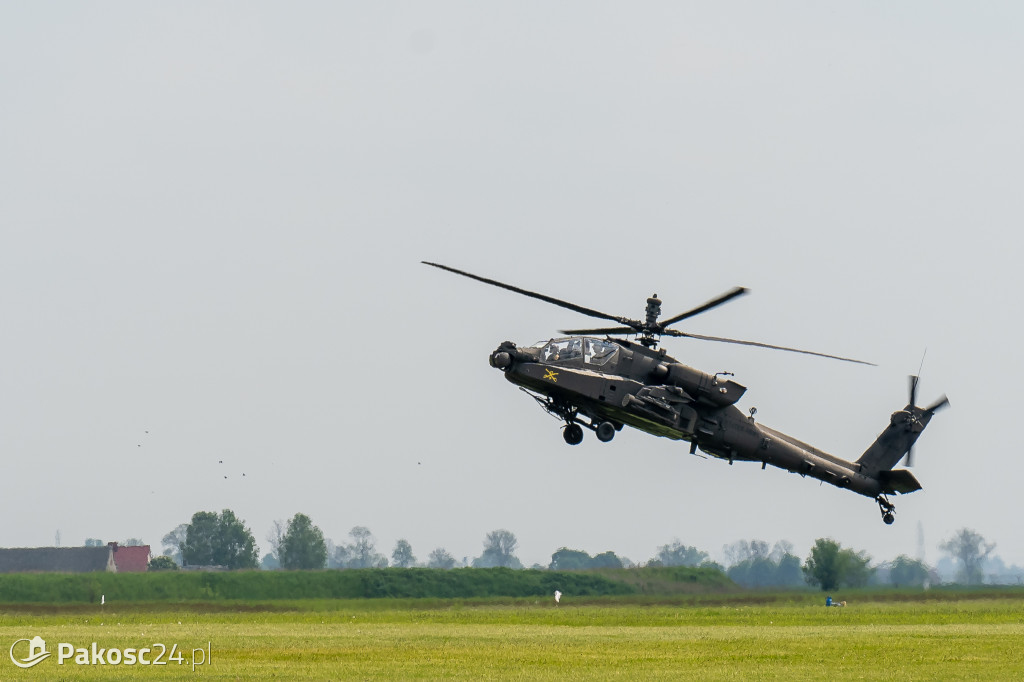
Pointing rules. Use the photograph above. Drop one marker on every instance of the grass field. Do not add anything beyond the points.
(785, 637)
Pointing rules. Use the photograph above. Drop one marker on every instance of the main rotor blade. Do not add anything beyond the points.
(532, 294)
(727, 296)
(673, 332)
(589, 332)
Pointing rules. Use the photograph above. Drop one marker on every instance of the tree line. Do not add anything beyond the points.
(223, 540)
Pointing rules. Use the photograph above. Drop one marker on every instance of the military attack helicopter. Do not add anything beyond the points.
(593, 379)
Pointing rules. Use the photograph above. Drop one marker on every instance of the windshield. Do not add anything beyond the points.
(563, 349)
(598, 352)
(591, 351)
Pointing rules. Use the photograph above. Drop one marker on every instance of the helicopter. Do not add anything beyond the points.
(596, 380)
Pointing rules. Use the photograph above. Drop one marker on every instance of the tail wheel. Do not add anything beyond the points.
(887, 508)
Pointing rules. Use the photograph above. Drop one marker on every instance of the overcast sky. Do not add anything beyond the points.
(212, 217)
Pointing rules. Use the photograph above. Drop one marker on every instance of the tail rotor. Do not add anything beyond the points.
(919, 417)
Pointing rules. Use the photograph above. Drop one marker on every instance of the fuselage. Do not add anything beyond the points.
(627, 384)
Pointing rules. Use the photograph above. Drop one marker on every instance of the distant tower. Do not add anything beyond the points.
(920, 541)
(56, 538)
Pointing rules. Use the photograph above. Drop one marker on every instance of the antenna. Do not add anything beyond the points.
(921, 366)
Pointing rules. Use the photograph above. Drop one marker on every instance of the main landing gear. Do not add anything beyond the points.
(887, 508)
(573, 432)
(605, 431)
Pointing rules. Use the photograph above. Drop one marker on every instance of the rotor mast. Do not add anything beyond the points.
(653, 313)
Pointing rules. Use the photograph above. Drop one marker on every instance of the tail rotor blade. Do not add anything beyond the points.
(937, 405)
(913, 389)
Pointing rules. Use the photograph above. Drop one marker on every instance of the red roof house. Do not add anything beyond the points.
(130, 559)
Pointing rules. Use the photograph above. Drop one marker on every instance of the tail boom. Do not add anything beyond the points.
(784, 451)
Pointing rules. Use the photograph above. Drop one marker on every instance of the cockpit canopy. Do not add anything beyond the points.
(596, 352)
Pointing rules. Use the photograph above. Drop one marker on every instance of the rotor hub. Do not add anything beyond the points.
(653, 312)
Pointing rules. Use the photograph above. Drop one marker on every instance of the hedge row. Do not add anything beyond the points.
(57, 588)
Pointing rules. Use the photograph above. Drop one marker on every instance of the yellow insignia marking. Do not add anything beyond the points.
(552, 375)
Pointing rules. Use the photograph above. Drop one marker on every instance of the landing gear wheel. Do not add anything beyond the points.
(887, 508)
(605, 431)
(573, 434)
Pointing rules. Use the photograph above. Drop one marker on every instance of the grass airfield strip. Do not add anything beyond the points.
(963, 639)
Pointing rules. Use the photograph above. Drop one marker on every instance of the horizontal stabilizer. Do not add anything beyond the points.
(898, 481)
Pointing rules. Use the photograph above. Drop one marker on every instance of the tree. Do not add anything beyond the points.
(402, 556)
(274, 536)
(788, 574)
(678, 554)
(200, 540)
(270, 562)
(970, 549)
(822, 565)
(907, 572)
(302, 545)
(162, 563)
(238, 547)
(219, 540)
(173, 542)
(742, 550)
(752, 564)
(94, 542)
(331, 551)
(856, 569)
(440, 558)
(362, 553)
(499, 551)
(133, 542)
(575, 560)
(754, 572)
(340, 557)
(569, 560)
(781, 550)
(829, 565)
(606, 560)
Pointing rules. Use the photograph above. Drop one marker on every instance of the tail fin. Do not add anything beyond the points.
(905, 426)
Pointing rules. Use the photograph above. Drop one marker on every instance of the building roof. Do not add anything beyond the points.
(131, 559)
(56, 560)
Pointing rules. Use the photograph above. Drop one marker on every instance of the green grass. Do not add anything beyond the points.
(785, 636)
